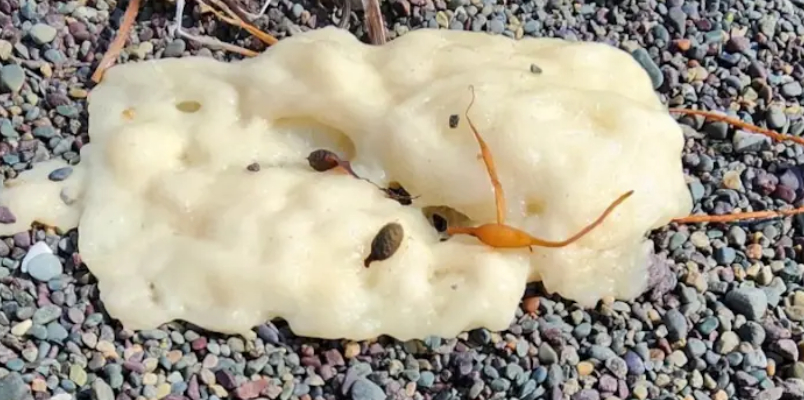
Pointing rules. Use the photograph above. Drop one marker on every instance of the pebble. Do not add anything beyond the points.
(750, 302)
(12, 78)
(644, 59)
(12, 387)
(676, 323)
(364, 389)
(42, 33)
(45, 267)
(791, 89)
(727, 342)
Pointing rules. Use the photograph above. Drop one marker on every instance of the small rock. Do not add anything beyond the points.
(12, 77)
(654, 72)
(101, 390)
(745, 142)
(60, 174)
(12, 387)
(676, 324)
(787, 349)
(175, 48)
(748, 301)
(45, 267)
(42, 33)
(546, 354)
(791, 89)
(5, 50)
(364, 389)
(727, 342)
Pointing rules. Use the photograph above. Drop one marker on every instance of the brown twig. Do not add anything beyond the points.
(119, 41)
(374, 22)
(234, 19)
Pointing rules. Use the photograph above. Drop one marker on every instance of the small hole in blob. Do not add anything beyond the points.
(188, 106)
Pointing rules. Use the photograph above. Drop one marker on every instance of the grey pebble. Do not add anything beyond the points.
(101, 390)
(748, 301)
(617, 366)
(45, 267)
(42, 33)
(60, 174)
(12, 387)
(643, 58)
(791, 89)
(364, 389)
(175, 48)
(752, 332)
(547, 355)
(12, 77)
(676, 324)
(745, 142)
(46, 314)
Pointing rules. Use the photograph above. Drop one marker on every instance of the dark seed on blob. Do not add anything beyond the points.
(60, 174)
(386, 243)
(535, 69)
(453, 120)
(253, 167)
(322, 160)
(6, 217)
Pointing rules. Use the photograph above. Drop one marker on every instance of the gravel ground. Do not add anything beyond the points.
(723, 322)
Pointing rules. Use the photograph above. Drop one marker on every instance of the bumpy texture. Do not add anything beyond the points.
(175, 226)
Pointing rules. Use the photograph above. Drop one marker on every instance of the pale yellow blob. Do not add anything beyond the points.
(174, 226)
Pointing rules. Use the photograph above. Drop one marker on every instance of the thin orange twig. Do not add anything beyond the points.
(694, 219)
(119, 41)
(710, 115)
(740, 124)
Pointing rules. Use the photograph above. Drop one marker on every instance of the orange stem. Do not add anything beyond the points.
(119, 41)
(534, 241)
(694, 219)
(740, 124)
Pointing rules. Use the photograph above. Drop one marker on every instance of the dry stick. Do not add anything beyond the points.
(204, 39)
(693, 219)
(740, 124)
(234, 19)
(119, 41)
(374, 21)
(346, 14)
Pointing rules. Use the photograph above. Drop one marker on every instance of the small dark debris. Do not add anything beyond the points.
(60, 174)
(398, 193)
(535, 69)
(6, 217)
(385, 243)
(253, 167)
(454, 119)
(440, 223)
(442, 217)
(322, 160)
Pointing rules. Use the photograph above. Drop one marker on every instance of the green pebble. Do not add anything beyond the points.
(708, 325)
(78, 375)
